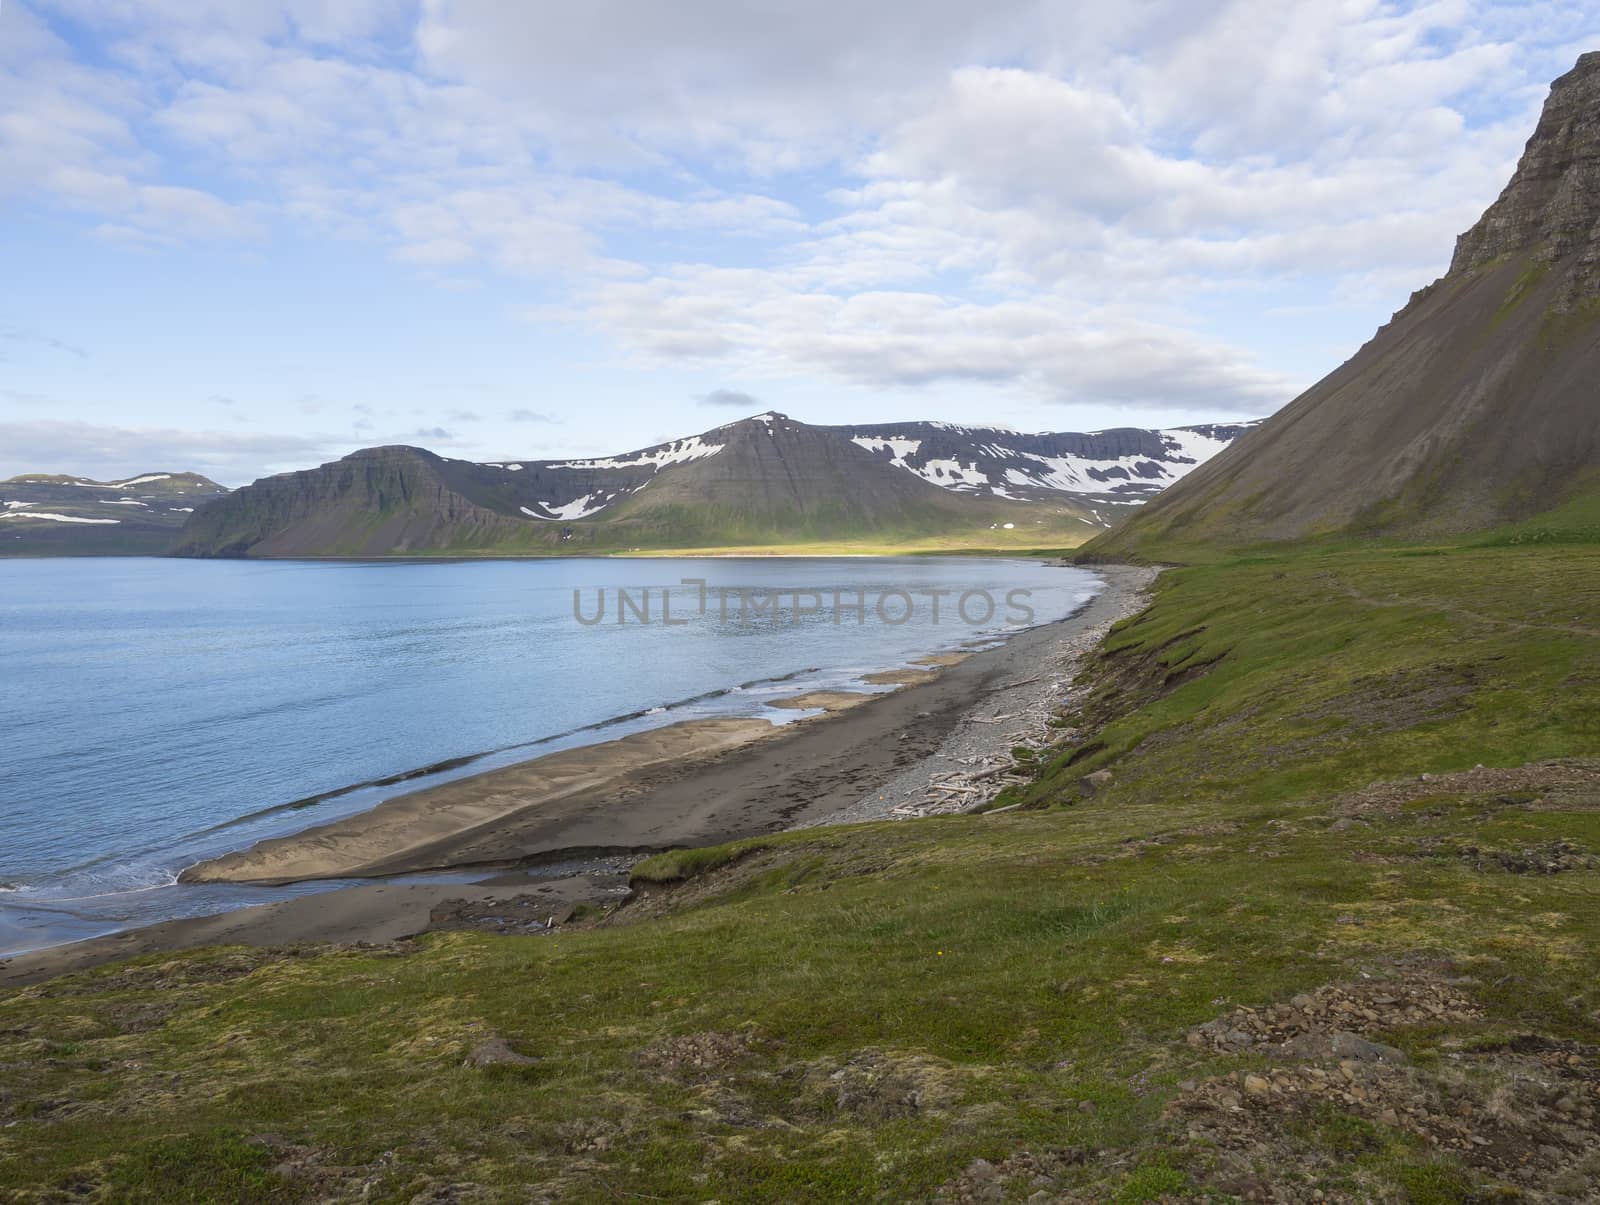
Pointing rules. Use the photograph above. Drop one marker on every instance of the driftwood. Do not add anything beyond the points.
(1010, 807)
(992, 772)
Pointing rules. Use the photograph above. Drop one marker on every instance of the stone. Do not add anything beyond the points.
(1342, 1045)
(1094, 783)
(1255, 1085)
(497, 1052)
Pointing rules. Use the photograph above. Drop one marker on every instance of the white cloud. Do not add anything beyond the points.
(111, 453)
(731, 397)
(1041, 197)
(895, 339)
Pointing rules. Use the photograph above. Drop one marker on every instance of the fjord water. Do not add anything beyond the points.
(160, 711)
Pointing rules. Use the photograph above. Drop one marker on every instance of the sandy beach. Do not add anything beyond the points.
(691, 784)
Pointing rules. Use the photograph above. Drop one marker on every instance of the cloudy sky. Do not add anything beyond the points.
(241, 236)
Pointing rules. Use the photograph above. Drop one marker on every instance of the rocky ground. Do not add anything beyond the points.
(979, 758)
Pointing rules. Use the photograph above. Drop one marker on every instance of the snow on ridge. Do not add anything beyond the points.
(54, 518)
(19, 505)
(125, 502)
(148, 477)
(961, 427)
(678, 451)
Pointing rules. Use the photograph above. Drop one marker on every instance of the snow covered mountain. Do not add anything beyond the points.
(1126, 465)
(764, 480)
(1104, 470)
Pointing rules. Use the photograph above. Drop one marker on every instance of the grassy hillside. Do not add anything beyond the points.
(980, 1008)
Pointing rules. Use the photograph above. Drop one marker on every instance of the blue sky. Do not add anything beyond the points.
(250, 235)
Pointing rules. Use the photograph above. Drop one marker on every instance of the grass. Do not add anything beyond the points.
(975, 542)
(860, 1013)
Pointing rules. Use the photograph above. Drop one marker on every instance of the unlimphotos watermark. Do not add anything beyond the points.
(694, 599)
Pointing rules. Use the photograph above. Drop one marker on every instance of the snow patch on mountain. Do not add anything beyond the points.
(54, 518)
(578, 508)
(677, 452)
(898, 449)
(1125, 466)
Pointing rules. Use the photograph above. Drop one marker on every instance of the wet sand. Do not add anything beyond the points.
(688, 785)
(400, 834)
(825, 700)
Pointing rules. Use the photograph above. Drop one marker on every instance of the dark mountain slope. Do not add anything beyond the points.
(53, 514)
(777, 478)
(1477, 405)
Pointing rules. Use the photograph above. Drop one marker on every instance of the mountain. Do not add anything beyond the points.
(1111, 469)
(51, 514)
(759, 481)
(1474, 407)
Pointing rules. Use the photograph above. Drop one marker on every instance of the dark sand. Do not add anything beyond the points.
(678, 792)
(379, 912)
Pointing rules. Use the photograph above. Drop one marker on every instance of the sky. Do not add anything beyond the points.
(244, 236)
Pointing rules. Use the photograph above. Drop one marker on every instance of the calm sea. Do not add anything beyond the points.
(156, 712)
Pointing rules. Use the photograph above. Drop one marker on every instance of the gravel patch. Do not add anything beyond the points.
(968, 770)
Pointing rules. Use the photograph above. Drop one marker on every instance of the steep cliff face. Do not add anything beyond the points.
(1551, 208)
(1477, 405)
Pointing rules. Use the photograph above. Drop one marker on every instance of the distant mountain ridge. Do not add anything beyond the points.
(763, 480)
(1478, 405)
(1119, 466)
(52, 514)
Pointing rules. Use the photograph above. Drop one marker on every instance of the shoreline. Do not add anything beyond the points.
(699, 783)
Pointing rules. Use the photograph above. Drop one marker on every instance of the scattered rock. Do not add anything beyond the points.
(1524, 1115)
(1329, 1023)
(696, 1055)
(984, 1181)
(1553, 857)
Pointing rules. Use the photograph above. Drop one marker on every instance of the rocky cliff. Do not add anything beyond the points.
(1551, 209)
(1477, 405)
